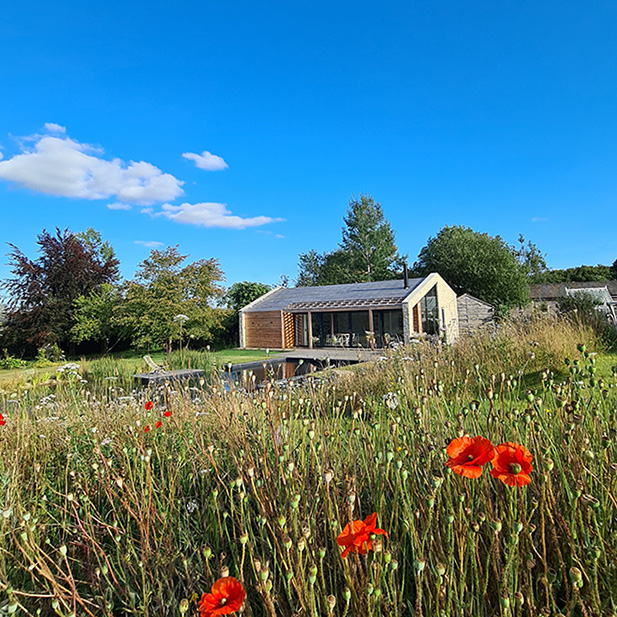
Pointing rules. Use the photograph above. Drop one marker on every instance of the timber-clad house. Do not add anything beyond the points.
(354, 315)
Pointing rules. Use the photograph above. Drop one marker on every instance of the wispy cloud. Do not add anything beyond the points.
(149, 244)
(64, 167)
(212, 215)
(119, 206)
(538, 219)
(206, 160)
(52, 127)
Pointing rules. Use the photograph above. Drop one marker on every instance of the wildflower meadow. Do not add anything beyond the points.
(472, 480)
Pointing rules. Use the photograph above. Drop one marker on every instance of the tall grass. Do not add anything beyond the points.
(100, 517)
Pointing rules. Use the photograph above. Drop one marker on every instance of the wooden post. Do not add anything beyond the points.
(371, 329)
(282, 330)
(332, 324)
(310, 329)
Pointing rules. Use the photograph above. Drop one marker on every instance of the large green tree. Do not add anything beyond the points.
(242, 293)
(165, 291)
(42, 291)
(484, 266)
(367, 251)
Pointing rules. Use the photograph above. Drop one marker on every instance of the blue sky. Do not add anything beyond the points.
(240, 129)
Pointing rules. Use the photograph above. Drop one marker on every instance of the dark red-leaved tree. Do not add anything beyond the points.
(42, 292)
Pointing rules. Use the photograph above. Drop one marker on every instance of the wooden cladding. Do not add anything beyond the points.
(288, 330)
(417, 318)
(263, 329)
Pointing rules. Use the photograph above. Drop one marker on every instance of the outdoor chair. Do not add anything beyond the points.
(153, 366)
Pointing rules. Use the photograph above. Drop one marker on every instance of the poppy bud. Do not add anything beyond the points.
(394, 564)
(321, 552)
(419, 565)
(331, 600)
(281, 520)
(495, 525)
(518, 527)
(301, 544)
(504, 601)
(184, 606)
(244, 539)
(347, 594)
(370, 588)
(576, 576)
(289, 575)
(595, 553)
(312, 574)
(264, 573)
(207, 552)
(287, 543)
(224, 572)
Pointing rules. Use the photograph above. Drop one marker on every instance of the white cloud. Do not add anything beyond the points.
(212, 215)
(538, 219)
(206, 160)
(149, 244)
(52, 127)
(1, 155)
(119, 206)
(67, 168)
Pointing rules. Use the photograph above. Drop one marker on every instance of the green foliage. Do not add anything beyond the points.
(165, 288)
(584, 308)
(8, 362)
(471, 262)
(241, 294)
(42, 292)
(531, 259)
(97, 317)
(367, 251)
(580, 274)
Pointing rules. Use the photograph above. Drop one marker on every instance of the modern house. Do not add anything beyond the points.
(355, 315)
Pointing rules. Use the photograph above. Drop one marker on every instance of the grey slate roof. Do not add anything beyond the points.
(552, 291)
(387, 294)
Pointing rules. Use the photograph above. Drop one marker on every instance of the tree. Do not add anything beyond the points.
(613, 270)
(577, 274)
(241, 294)
(367, 251)
(163, 289)
(484, 266)
(42, 292)
(97, 317)
(531, 259)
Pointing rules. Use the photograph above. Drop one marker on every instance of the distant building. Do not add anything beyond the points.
(545, 296)
(354, 315)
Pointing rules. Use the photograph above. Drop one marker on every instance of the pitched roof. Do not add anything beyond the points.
(376, 294)
(552, 291)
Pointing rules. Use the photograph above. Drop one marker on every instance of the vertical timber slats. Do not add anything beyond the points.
(288, 330)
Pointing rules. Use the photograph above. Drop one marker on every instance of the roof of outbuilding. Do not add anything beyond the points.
(376, 294)
(552, 291)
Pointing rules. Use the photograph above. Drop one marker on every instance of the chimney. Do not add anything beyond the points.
(405, 276)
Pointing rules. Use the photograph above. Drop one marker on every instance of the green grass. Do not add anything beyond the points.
(101, 517)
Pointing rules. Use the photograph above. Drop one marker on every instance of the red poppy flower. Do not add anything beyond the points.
(158, 424)
(468, 454)
(167, 414)
(146, 429)
(356, 536)
(226, 597)
(1, 419)
(512, 464)
(149, 405)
